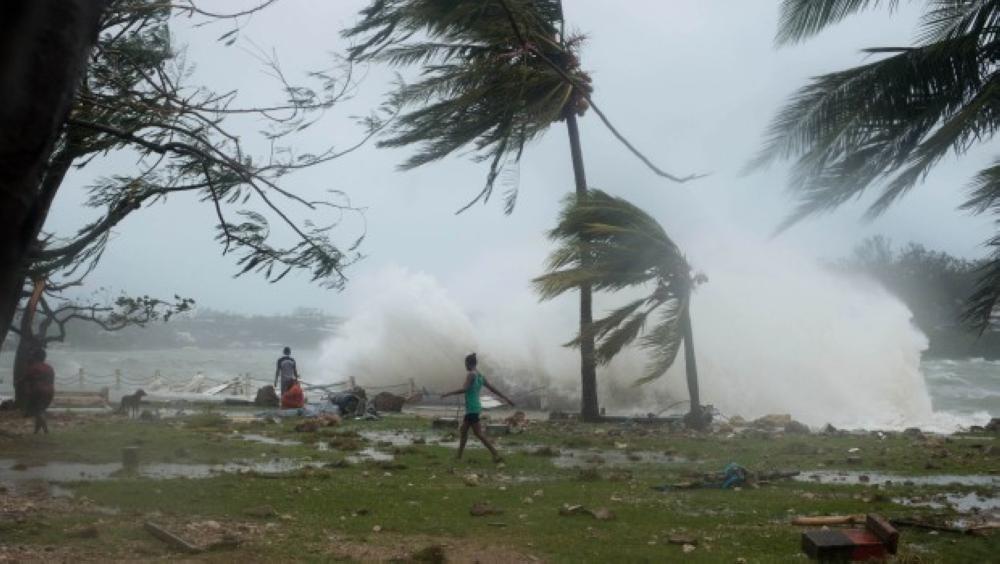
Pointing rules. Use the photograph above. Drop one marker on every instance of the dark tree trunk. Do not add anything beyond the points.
(27, 343)
(43, 50)
(695, 417)
(589, 409)
(22, 358)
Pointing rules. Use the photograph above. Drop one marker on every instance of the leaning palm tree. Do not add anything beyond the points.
(495, 74)
(887, 123)
(627, 248)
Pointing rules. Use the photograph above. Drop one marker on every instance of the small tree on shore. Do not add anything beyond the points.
(47, 312)
(627, 248)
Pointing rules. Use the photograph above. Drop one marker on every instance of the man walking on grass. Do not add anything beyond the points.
(474, 382)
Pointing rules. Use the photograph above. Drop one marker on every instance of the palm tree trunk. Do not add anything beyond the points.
(694, 417)
(589, 410)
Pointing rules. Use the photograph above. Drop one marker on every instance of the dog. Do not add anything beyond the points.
(130, 403)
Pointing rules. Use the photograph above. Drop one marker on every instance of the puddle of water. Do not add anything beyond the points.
(578, 458)
(264, 439)
(854, 477)
(370, 454)
(61, 472)
(34, 486)
(397, 438)
(962, 503)
(56, 472)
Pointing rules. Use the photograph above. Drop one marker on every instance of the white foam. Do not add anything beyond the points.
(775, 333)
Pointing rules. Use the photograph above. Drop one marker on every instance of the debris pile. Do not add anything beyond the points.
(266, 397)
(389, 402)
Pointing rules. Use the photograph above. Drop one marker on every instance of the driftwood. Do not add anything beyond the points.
(828, 520)
(171, 539)
(976, 530)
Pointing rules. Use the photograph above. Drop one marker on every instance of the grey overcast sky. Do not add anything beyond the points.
(693, 83)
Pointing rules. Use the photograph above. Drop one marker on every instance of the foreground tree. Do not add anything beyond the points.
(628, 249)
(496, 74)
(42, 56)
(888, 122)
(136, 100)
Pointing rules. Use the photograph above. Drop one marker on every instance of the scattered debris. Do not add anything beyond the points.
(828, 520)
(545, 451)
(484, 508)
(227, 542)
(927, 525)
(994, 425)
(84, 532)
(682, 539)
(313, 425)
(773, 420)
(498, 429)
(267, 397)
(310, 426)
(876, 540)
(796, 428)
(518, 420)
(262, 512)
(601, 513)
(130, 458)
(387, 401)
(444, 423)
(433, 554)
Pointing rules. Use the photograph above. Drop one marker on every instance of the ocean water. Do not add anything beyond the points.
(963, 387)
(962, 392)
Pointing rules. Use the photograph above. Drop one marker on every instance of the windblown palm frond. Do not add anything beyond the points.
(889, 122)
(624, 247)
(801, 19)
(482, 86)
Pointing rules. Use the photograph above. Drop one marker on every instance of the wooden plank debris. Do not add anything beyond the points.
(171, 539)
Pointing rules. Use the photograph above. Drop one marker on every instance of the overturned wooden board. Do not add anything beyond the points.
(884, 530)
(842, 545)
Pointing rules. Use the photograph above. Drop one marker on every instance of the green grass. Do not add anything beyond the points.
(424, 495)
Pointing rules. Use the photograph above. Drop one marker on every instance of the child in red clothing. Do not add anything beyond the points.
(39, 383)
(293, 398)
